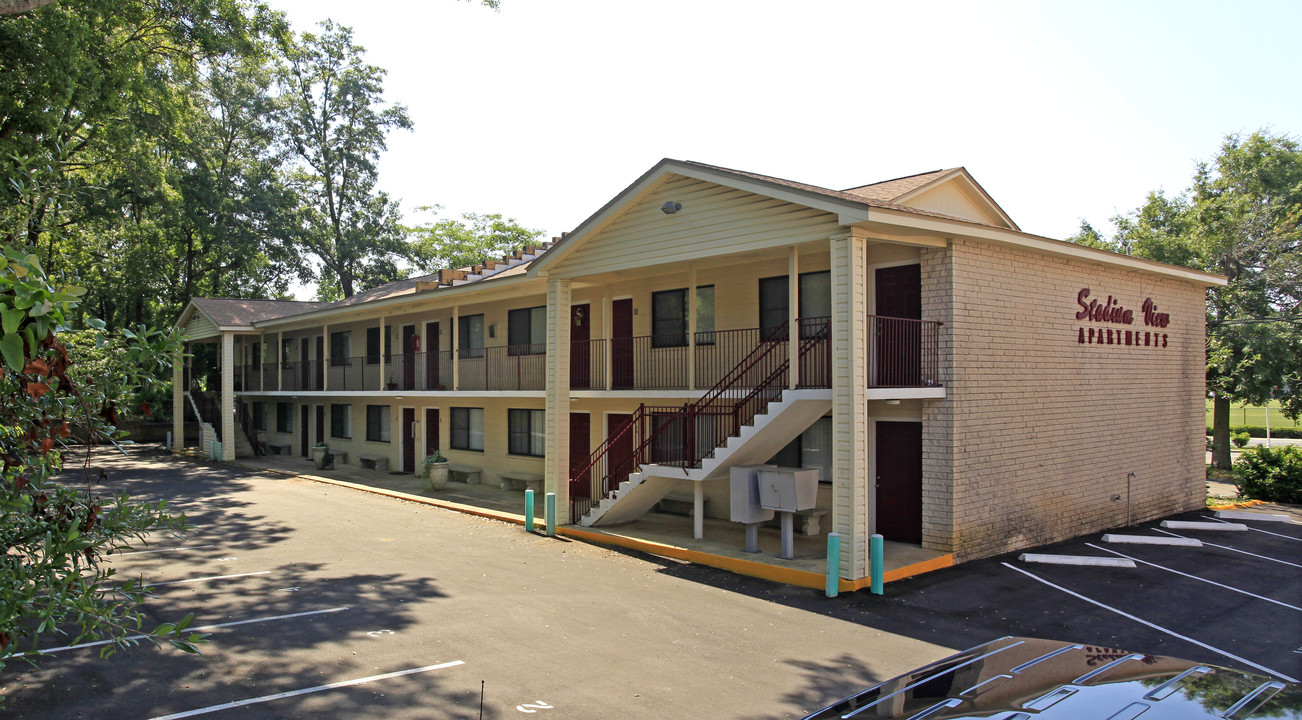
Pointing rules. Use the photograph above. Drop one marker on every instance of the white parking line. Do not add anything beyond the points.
(305, 691)
(1266, 532)
(204, 628)
(206, 579)
(178, 549)
(1245, 552)
(1195, 577)
(1155, 626)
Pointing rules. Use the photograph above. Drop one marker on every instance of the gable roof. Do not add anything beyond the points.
(890, 190)
(902, 190)
(226, 312)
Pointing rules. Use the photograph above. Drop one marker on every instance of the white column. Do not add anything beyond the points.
(691, 329)
(456, 347)
(228, 396)
(793, 313)
(178, 398)
(606, 325)
(851, 484)
(325, 361)
(558, 396)
(280, 361)
(384, 346)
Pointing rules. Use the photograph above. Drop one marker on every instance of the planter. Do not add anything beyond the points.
(438, 476)
(319, 457)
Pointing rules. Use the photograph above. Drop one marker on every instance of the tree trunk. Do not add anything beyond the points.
(1220, 432)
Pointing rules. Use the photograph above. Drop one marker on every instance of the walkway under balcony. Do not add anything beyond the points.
(902, 353)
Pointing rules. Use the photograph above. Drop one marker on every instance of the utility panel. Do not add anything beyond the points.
(788, 489)
(745, 496)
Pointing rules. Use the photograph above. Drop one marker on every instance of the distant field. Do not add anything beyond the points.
(1253, 415)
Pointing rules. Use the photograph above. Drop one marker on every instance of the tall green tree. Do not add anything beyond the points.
(449, 243)
(1242, 218)
(335, 122)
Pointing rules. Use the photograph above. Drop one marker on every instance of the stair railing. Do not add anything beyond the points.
(669, 435)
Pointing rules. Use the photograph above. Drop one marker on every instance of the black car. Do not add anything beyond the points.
(1015, 678)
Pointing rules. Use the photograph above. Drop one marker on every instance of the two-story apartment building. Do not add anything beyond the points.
(960, 384)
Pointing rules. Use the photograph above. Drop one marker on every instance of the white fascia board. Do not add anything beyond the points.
(847, 213)
(958, 228)
(362, 311)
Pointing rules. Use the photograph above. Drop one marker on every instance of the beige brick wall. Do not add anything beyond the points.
(1038, 432)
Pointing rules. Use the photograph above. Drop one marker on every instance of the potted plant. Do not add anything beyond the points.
(321, 456)
(435, 471)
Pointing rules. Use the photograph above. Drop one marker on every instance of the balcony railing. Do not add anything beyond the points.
(901, 353)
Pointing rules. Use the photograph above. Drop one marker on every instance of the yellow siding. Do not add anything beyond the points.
(200, 327)
(951, 199)
(714, 221)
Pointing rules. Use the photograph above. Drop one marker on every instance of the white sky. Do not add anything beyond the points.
(1062, 110)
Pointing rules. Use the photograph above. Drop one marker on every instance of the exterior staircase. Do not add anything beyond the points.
(746, 418)
(210, 430)
(782, 422)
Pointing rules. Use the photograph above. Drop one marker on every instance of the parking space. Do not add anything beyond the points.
(326, 602)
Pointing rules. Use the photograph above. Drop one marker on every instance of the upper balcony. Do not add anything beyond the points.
(901, 353)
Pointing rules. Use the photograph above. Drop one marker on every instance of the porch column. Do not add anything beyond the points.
(262, 361)
(228, 396)
(606, 325)
(558, 396)
(178, 397)
(280, 361)
(456, 347)
(691, 329)
(384, 345)
(851, 484)
(793, 315)
(325, 361)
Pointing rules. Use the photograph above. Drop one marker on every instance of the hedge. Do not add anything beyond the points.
(1270, 474)
(1259, 431)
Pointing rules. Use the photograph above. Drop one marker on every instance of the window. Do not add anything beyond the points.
(526, 331)
(467, 428)
(470, 335)
(257, 353)
(341, 348)
(341, 421)
(669, 317)
(260, 416)
(284, 417)
(286, 346)
(377, 423)
(526, 433)
(373, 346)
(815, 302)
(812, 450)
(667, 438)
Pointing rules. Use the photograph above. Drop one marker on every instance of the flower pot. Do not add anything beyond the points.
(438, 476)
(319, 457)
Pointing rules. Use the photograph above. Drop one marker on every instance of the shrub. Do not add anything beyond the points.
(1260, 431)
(1270, 474)
(1240, 439)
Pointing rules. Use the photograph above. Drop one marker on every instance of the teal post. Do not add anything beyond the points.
(219, 452)
(833, 564)
(551, 514)
(876, 548)
(212, 449)
(169, 440)
(528, 510)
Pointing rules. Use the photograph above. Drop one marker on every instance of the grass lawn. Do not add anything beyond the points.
(1253, 415)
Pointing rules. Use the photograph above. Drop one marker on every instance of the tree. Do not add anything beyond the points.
(451, 243)
(1241, 218)
(335, 125)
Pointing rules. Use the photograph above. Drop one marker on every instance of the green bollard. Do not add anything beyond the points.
(528, 510)
(876, 548)
(833, 564)
(551, 514)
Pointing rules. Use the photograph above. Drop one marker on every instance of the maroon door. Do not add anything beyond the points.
(619, 459)
(899, 341)
(320, 423)
(408, 442)
(580, 455)
(409, 340)
(302, 431)
(431, 430)
(320, 363)
(580, 350)
(432, 358)
(899, 481)
(621, 344)
(304, 367)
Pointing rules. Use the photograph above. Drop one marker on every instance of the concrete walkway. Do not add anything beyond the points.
(656, 533)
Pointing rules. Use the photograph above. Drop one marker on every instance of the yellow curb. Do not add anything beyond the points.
(1237, 505)
(774, 573)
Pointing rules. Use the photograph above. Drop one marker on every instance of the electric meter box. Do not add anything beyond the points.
(788, 489)
(744, 494)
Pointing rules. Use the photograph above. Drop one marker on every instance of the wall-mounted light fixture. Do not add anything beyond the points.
(892, 402)
(671, 207)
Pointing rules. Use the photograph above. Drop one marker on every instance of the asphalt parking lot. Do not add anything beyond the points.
(328, 602)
